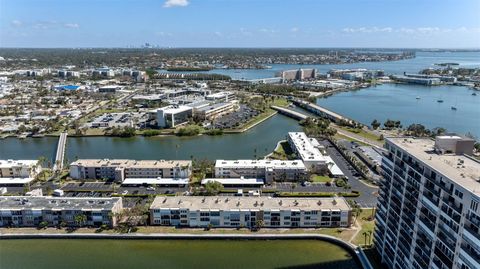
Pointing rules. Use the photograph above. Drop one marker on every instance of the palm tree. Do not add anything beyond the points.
(80, 219)
(365, 234)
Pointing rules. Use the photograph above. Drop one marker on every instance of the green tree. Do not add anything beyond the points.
(213, 188)
(375, 124)
(80, 219)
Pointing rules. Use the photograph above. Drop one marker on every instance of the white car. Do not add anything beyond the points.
(125, 192)
(150, 188)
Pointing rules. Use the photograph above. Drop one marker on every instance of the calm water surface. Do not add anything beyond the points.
(258, 141)
(421, 61)
(398, 102)
(171, 254)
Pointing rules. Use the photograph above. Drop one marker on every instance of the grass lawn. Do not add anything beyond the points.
(280, 102)
(339, 136)
(361, 133)
(282, 151)
(323, 179)
(367, 226)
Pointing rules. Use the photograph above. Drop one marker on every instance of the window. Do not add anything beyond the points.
(474, 205)
(459, 194)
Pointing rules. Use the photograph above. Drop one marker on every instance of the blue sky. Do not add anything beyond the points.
(240, 23)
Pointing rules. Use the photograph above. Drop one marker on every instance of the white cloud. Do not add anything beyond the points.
(176, 3)
(71, 25)
(16, 23)
(368, 30)
(244, 32)
(163, 34)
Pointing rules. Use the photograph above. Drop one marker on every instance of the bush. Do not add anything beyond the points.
(189, 130)
(214, 132)
(340, 182)
(305, 194)
(151, 132)
(349, 194)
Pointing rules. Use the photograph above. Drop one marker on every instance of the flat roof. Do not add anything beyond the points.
(462, 170)
(11, 163)
(214, 106)
(155, 181)
(234, 181)
(306, 147)
(295, 164)
(174, 109)
(132, 163)
(211, 203)
(15, 180)
(56, 203)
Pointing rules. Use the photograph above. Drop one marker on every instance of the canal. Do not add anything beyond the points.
(171, 254)
(256, 142)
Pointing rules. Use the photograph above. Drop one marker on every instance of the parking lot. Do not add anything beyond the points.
(235, 119)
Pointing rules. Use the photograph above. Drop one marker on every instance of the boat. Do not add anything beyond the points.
(453, 108)
(440, 101)
(418, 97)
(474, 94)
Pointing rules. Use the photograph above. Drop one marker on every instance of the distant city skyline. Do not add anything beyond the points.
(240, 23)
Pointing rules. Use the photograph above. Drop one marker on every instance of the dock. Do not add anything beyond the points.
(290, 113)
(60, 155)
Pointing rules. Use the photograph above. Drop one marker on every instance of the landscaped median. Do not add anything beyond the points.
(317, 194)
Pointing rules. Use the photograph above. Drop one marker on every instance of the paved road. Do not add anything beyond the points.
(62, 141)
(367, 197)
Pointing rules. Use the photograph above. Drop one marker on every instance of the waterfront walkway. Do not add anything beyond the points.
(291, 113)
(60, 155)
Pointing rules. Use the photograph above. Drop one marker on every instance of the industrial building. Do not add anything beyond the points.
(31, 211)
(250, 212)
(121, 170)
(268, 170)
(428, 212)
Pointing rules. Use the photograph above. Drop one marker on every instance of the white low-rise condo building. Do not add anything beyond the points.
(159, 171)
(428, 212)
(309, 151)
(31, 211)
(18, 172)
(251, 212)
(268, 170)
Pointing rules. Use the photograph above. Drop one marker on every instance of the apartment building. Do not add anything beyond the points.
(310, 152)
(30, 211)
(269, 170)
(119, 170)
(251, 212)
(18, 172)
(428, 212)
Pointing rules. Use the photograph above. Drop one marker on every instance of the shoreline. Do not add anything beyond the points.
(357, 253)
(236, 131)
